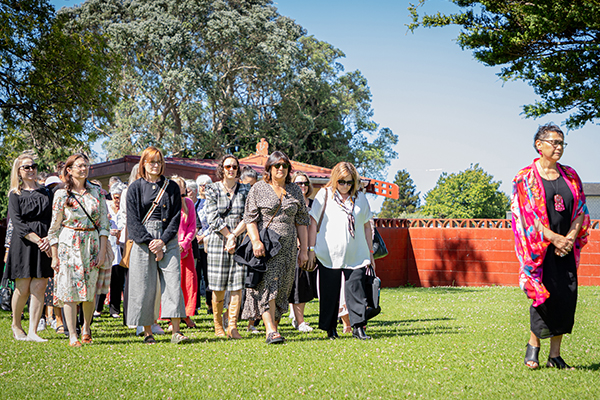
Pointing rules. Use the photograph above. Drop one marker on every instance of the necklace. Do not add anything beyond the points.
(559, 202)
(229, 191)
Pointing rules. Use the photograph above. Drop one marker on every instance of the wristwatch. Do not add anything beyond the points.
(311, 248)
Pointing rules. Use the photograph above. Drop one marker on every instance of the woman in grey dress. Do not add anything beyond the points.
(276, 198)
(225, 202)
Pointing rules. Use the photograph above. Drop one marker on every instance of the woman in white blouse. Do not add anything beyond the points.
(343, 245)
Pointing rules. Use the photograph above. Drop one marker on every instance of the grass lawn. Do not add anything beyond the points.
(434, 343)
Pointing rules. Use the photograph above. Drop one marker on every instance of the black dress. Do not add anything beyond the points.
(556, 315)
(31, 211)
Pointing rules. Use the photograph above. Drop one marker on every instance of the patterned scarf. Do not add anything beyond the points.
(348, 210)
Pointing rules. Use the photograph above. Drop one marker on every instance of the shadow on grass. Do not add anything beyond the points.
(378, 322)
(593, 367)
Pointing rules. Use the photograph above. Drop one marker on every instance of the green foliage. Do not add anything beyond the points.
(428, 343)
(202, 79)
(468, 194)
(407, 202)
(552, 44)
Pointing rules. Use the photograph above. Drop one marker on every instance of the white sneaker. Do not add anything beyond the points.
(252, 329)
(157, 330)
(53, 324)
(304, 327)
(41, 325)
(139, 330)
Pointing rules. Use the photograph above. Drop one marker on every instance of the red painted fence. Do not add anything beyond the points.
(462, 253)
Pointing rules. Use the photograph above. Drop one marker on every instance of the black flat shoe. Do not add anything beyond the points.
(531, 355)
(359, 333)
(558, 362)
(332, 334)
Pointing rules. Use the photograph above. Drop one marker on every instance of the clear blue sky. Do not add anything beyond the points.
(448, 110)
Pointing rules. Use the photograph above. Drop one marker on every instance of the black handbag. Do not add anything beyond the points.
(6, 292)
(379, 248)
(372, 289)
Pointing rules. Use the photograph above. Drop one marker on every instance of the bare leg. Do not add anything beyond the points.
(19, 299)
(269, 318)
(71, 317)
(299, 312)
(555, 342)
(36, 306)
(346, 322)
(175, 322)
(59, 317)
(88, 311)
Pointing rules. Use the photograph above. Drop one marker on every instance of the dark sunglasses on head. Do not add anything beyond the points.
(281, 165)
(233, 167)
(29, 167)
(342, 182)
(301, 183)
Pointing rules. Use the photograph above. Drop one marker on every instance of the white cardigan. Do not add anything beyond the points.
(335, 247)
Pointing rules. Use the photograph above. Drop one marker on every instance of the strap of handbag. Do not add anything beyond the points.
(228, 209)
(159, 196)
(276, 211)
(84, 210)
(322, 211)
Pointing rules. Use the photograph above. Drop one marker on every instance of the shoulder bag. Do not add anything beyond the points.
(129, 243)
(379, 248)
(372, 289)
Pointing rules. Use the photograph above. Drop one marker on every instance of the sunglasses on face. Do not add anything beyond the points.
(342, 182)
(29, 167)
(232, 166)
(153, 162)
(301, 183)
(281, 165)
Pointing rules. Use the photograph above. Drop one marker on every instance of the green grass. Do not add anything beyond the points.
(431, 343)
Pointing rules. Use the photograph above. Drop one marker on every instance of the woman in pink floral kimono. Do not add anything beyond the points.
(550, 223)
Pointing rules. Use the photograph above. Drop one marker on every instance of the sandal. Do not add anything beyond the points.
(531, 355)
(178, 338)
(149, 340)
(60, 329)
(86, 338)
(76, 343)
(274, 338)
(558, 362)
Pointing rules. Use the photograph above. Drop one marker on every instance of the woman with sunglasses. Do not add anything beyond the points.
(343, 246)
(28, 262)
(551, 224)
(277, 202)
(79, 239)
(304, 286)
(225, 201)
(153, 217)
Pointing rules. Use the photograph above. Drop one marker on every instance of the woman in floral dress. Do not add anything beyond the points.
(79, 244)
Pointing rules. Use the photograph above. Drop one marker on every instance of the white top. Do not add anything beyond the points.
(335, 247)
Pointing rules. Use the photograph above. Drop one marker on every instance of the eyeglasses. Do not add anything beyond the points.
(555, 143)
(281, 165)
(81, 166)
(153, 162)
(301, 183)
(342, 182)
(231, 166)
(29, 167)
(182, 194)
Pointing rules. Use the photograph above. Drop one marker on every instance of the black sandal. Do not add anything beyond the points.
(149, 340)
(274, 338)
(531, 355)
(558, 362)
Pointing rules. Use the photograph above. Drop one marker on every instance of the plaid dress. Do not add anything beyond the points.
(223, 272)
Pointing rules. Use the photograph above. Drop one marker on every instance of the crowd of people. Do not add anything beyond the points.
(157, 241)
(66, 242)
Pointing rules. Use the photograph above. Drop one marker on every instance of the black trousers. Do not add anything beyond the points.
(117, 284)
(330, 284)
(202, 272)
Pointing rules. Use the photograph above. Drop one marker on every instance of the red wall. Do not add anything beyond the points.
(451, 256)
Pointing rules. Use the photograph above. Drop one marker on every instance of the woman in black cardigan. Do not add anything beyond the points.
(155, 252)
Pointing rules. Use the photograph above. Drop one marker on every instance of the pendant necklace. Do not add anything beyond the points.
(559, 202)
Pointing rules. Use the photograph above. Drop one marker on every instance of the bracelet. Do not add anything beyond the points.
(311, 248)
(371, 251)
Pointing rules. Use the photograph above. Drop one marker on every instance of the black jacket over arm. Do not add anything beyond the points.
(170, 209)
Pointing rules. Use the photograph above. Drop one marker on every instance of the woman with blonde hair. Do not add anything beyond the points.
(342, 246)
(28, 262)
(153, 218)
(79, 239)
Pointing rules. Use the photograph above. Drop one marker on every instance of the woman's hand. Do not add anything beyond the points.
(563, 244)
(303, 257)
(44, 244)
(159, 254)
(373, 262)
(258, 248)
(55, 264)
(115, 232)
(231, 244)
(101, 258)
(156, 245)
